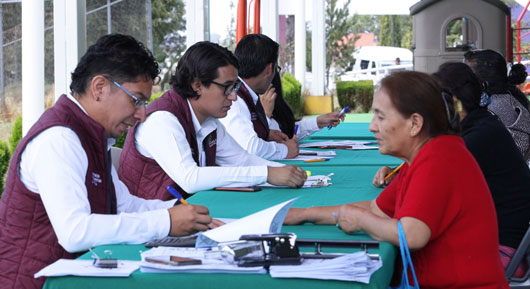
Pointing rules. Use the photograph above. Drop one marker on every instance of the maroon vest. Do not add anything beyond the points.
(259, 121)
(27, 240)
(143, 176)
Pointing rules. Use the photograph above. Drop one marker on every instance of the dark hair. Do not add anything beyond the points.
(282, 112)
(461, 82)
(417, 92)
(200, 62)
(254, 52)
(490, 66)
(118, 56)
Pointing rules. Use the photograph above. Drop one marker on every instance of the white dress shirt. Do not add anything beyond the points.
(306, 127)
(54, 165)
(162, 138)
(239, 125)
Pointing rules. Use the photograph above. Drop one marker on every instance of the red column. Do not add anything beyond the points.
(241, 26)
(256, 16)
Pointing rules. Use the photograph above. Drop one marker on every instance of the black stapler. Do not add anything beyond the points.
(277, 249)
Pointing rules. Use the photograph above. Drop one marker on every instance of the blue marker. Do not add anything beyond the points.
(177, 195)
(341, 113)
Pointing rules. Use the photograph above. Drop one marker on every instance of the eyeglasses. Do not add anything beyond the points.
(137, 102)
(229, 88)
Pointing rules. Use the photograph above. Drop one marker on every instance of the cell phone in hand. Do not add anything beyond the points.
(173, 260)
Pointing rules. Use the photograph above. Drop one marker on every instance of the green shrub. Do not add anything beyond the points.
(16, 133)
(155, 96)
(357, 94)
(292, 91)
(5, 155)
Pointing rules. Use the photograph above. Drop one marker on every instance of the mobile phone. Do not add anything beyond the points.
(240, 189)
(173, 260)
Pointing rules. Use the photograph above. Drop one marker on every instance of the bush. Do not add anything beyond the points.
(357, 94)
(16, 133)
(292, 91)
(5, 155)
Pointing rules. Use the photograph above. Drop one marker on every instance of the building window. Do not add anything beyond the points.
(460, 35)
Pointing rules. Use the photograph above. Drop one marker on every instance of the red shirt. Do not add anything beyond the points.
(444, 188)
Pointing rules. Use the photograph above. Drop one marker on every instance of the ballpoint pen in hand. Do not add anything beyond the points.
(341, 113)
(295, 131)
(393, 172)
(177, 195)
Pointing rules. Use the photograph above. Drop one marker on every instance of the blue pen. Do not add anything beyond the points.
(177, 195)
(295, 131)
(341, 113)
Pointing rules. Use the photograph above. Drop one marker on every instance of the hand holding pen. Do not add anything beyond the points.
(385, 175)
(336, 118)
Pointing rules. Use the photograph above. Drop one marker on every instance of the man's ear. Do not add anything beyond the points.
(416, 124)
(97, 87)
(269, 69)
(196, 86)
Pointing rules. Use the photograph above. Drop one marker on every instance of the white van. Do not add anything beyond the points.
(375, 62)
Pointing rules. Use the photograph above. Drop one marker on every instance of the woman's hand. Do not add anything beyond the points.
(348, 218)
(267, 100)
(379, 178)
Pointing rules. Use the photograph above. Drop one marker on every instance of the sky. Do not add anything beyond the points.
(221, 13)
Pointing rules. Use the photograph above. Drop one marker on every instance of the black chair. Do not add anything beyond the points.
(522, 253)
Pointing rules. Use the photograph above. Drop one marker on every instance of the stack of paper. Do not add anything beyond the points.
(315, 181)
(64, 267)
(209, 265)
(352, 267)
(341, 144)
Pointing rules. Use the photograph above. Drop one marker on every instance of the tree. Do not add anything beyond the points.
(390, 33)
(230, 40)
(340, 44)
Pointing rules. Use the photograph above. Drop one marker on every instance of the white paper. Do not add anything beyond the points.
(209, 265)
(353, 145)
(310, 182)
(64, 267)
(351, 267)
(263, 222)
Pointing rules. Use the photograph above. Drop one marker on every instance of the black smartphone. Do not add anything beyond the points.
(240, 189)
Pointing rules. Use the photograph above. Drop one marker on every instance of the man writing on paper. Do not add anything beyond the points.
(247, 120)
(62, 194)
(182, 142)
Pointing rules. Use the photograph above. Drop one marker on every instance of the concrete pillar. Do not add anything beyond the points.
(269, 19)
(196, 20)
(300, 43)
(69, 36)
(318, 44)
(32, 62)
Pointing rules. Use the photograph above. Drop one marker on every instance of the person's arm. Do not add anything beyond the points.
(239, 126)
(54, 165)
(162, 138)
(306, 127)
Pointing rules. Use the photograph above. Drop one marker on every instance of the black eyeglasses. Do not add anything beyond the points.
(137, 102)
(229, 88)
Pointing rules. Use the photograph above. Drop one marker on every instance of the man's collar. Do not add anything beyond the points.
(254, 96)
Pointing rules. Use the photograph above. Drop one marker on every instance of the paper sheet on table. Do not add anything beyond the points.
(64, 267)
(306, 155)
(351, 267)
(209, 265)
(343, 144)
(263, 222)
(311, 182)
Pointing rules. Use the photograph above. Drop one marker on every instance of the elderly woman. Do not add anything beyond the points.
(440, 195)
(509, 103)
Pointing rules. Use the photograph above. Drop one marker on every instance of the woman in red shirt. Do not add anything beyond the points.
(440, 194)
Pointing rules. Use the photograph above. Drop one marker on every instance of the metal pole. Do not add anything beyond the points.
(109, 18)
(149, 26)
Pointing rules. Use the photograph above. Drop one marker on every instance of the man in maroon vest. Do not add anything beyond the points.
(62, 194)
(183, 144)
(246, 121)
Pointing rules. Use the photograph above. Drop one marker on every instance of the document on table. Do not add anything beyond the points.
(64, 267)
(263, 222)
(351, 267)
(341, 144)
(306, 155)
(315, 181)
(209, 265)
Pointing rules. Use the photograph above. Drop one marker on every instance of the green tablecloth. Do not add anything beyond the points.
(351, 131)
(346, 157)
(350, 183)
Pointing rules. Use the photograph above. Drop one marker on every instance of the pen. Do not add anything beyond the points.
(317, 160)
(394, 172)
(177, 195)
(308, 154)
(334, 147)
(341, 113)
(371, 143)
(295, 131)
